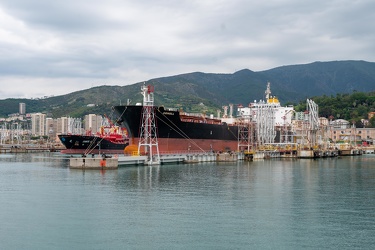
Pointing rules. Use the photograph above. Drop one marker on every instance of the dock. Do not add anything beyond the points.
(113, 161)
(184, 157)
(15, 149)
(93, 163)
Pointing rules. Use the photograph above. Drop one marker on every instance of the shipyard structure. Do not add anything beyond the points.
(262, 129)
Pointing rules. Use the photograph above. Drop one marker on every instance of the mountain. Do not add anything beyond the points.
(189, 91)
(327, 78)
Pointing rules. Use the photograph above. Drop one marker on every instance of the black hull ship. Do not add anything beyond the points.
(180, 131)
(101, 143)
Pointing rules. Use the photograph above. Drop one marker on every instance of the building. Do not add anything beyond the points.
(340, 124)
(62, 125)
(50, 127)
(341, 131)
(22, 108)
(38, 124)
(93, 123)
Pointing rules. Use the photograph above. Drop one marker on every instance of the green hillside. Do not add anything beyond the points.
(207, 92)
(351, 107)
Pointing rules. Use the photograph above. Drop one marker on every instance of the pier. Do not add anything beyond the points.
(93, 163)
(113, 161)
(14, 149)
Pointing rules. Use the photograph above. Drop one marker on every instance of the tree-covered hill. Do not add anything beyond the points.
(207, 92)
(353, 107)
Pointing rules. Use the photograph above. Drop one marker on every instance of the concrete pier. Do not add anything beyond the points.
(94, 163)
(184, 157)
(305, 153)
(349, 152)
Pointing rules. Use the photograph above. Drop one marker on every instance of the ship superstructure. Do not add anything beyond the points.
(271, 120)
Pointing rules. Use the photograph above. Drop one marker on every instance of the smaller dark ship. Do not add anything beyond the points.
(110, 140)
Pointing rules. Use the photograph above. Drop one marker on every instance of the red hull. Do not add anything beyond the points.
(95, 151)
(175, 144)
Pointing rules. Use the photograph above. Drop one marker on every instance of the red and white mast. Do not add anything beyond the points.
(148, 136)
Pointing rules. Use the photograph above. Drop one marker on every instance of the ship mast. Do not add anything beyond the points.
(148, 137)
(268, 91)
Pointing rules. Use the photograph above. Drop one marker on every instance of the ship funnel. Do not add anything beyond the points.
(225, 115)
(218, 113)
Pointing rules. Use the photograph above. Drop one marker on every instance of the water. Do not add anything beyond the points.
(272, 204)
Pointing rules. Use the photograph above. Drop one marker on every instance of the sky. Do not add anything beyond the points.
(51, 48)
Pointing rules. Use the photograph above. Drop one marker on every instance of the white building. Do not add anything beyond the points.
(38, 124)
(62, 125)
(50, 127)
(93, 123)
(340, 123)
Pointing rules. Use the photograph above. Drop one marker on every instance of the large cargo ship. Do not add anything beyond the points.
(180, 131)
(110, 140)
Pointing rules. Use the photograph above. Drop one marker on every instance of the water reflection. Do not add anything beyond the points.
(289, 204)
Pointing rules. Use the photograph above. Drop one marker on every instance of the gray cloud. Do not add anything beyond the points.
(63, 46)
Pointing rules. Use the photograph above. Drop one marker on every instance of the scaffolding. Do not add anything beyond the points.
(313, 121)
(16, 133)
(148, 136)
(286, 133)
(246, 134)
(265, 123)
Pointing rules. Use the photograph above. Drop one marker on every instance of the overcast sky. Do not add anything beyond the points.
(58, 47)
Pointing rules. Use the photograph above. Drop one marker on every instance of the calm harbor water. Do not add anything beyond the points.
(272, 204)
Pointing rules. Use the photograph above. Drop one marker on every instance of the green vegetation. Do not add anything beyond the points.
(351, 107)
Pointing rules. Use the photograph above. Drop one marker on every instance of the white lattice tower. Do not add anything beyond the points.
(313, 120)
(265, 123)
(16, 132)
(148, 136)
